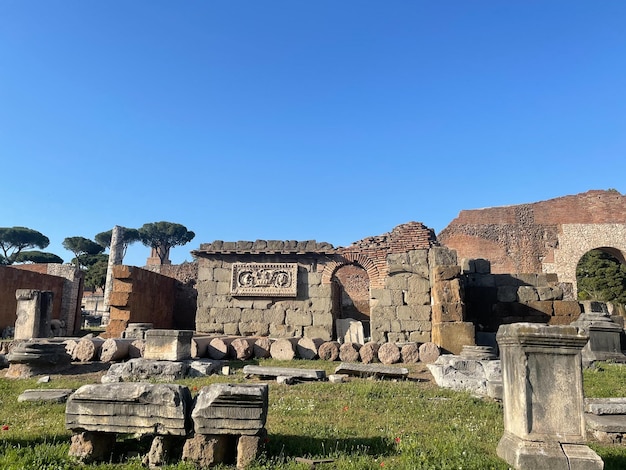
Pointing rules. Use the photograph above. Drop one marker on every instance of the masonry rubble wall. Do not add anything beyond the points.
(140, 296)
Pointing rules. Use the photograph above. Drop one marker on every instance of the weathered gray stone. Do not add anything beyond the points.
(389, 353)
(87, 447)
(138, 369)
(130, 408)
(371, 370)
(37, 357)
(34, 313)
(230, 409)
(349, 352)
(305, 374)
(53, 395)
(543, 398)
(606, 406)
(168, 345)
(204, 367)
(527, 294)
(463, 374)
(507, 294)
(208, 450)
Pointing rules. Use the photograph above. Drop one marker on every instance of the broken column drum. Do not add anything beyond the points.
(543, 398)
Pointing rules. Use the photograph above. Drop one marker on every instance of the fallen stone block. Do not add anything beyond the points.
(372, 370)
(305, 374)
(139, 369)
(130, 408)
(53, 395)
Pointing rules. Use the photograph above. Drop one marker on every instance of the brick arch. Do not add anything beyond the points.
(577, 239)
(362, 260)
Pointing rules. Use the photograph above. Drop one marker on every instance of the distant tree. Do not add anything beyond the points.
(96, 274)
(81, 246)
(164, 235)
(15, 239)
(600, 276)
(129, 236)
(37, 257)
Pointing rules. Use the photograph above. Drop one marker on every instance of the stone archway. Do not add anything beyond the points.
(596, 275)
(351, 295)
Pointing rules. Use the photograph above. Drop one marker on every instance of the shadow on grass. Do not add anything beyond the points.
(304, 446)
(614, 462)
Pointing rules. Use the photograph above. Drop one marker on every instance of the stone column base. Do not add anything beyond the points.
(537, 455)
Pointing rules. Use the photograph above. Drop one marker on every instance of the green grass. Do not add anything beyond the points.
(363, 424)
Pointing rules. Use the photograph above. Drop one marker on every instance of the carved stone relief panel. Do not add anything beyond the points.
(264, 279)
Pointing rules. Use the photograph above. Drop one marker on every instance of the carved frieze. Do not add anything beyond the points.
(264, 279)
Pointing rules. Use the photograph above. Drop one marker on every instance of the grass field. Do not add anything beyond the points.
(362, 424)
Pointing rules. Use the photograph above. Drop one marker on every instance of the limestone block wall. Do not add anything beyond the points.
(401, 307)
(12, 279)
(140, 296)
(496, 299)
(308, 314)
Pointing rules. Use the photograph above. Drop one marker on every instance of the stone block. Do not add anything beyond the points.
(322, 304)
(223, 275)
(243, 303)
(441, 256)
(396, 337)
(417, 312)
(396, 326)
(274, 316)
(540, 307)
(225, 315)
(446, 273)
(414, 325)
(398, 281)
(168, 345)
(417, 298)
(452, 337)
(449, 312)
(129, 408)
(416, 284)
(231, 329)
(420, 336)
(527, 294)
(482, 266)
(507, 294)
(322, 332)
(550, 293)
(479, 280)
(254, 328)
(447, 292)
(222, 288)
(567, 307)
(261, 304)
(323, 319)
(398, 263)
(298, 318)
(239, 409)
(209, 450)
(285, 331)
(249, 315)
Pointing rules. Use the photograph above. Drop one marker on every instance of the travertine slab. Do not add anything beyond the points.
(132, 408)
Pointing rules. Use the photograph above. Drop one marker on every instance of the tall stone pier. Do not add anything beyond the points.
(544, 427)
(34, 312)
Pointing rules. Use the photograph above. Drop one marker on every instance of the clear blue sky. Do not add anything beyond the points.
(328, 120)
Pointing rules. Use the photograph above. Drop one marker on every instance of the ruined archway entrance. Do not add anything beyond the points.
(601, 275)
(351, 295)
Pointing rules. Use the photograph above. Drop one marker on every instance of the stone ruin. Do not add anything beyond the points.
(225, 423)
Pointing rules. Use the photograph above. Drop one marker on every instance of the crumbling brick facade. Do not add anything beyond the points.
(543, 237)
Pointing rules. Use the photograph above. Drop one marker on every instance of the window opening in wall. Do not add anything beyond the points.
(601, 276)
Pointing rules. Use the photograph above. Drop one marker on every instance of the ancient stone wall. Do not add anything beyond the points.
(72, 291)
(12, 279)
(140, 296)
(543, 237)
(492, 300)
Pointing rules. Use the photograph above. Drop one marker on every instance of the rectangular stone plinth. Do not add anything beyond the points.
(129, 408)
(231, 409)
(168, 345)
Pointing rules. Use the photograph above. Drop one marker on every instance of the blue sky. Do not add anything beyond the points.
(328, 120)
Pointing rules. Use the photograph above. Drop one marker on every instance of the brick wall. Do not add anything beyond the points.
(12, 279)
(140, 296)
(527, 237)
